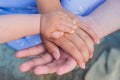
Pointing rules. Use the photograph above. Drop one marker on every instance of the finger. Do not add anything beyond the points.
(80, 44)
(68, 66)
(64, 28)
(70, 24)
(85, 37)
(72, 21)
(87, 29)
(56, 34)
(52, 49)
(46, 69)
(70, 48)
(44, 59)
(50, 67)
(32, 51)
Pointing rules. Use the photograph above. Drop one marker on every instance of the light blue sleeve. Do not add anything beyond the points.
(81, 7)
(17, 3)
(78, 7)
(25, 42)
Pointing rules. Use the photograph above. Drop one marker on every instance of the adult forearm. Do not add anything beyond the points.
(16, 26)
(106, 18)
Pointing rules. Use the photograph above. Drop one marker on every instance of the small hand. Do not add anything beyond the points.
(80, 45)
(55, 24)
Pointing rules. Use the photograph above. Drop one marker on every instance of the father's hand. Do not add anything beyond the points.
(45, 63)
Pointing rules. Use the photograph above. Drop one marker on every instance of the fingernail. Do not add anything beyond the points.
(97, 41)
(83, 65)
(91, 56)
(56, 54)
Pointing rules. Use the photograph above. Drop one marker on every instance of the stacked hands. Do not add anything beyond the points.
(68, 40)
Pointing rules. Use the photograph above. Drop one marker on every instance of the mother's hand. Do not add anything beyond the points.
(45, 63)
(79, 45)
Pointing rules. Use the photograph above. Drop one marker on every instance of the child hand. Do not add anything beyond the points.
(55, 24)
(84, 39)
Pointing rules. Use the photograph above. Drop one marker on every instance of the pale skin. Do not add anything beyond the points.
(45, 64)
(14, 26)
(110, 19)
(105, 21)
(24, 20)
(48, 25)
(55, 24)
(9, 31)
(85, 54)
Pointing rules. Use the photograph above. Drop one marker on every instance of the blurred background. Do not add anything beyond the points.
(105, 64)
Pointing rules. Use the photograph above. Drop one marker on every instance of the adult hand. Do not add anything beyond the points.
(79, 45)
(45, 63)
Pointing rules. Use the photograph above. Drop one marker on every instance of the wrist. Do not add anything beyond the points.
(92, 24)
(34, 27)
(99, 26)
(47, 6)
(106, 21)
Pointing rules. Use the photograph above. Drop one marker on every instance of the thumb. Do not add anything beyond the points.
(52, 48)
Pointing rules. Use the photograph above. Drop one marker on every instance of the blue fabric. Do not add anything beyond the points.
(17, 3)
(81, 7)
(18, 7)
(78, 7)
(25, 42)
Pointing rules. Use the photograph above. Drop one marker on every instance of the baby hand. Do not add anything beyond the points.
(55, 24)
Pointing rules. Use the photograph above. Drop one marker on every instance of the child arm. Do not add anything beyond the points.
(48, 5)
(20, 25)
